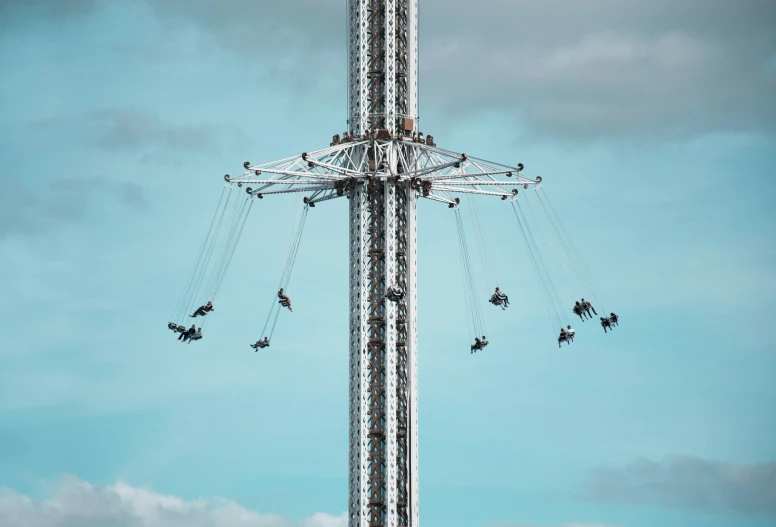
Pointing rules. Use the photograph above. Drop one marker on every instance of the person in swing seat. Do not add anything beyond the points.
(613, 319)
(260, 344)
(479, 344)
(284, 301)
(587, 306)
(578, 310)
(187, 334)
(500, 299)
(570, 332)
(203, 310)
(563, 337)
(395, 294)
(606, 323)
(195, 336)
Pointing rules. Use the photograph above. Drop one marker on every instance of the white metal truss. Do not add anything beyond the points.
(334, 172)
(383, 180)
(382, 165)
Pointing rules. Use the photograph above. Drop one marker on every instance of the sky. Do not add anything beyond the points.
(653, 126)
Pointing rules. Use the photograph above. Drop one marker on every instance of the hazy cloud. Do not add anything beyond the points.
(130, 130)
(28, 211)
(45, 8)
(688, 482)
(577, 70)
(75, 503)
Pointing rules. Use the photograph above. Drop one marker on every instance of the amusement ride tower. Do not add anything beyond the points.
(382, 164)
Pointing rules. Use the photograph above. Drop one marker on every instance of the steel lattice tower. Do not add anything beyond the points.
(382, 165)
(383, 95)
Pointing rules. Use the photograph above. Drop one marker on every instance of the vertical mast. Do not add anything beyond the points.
(382, 65)
(382, 95)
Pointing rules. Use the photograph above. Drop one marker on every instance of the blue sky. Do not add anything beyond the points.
(654, 133)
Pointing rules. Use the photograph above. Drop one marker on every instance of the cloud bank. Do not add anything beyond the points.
(24, 211)
(688, 482)
(574, 70)
(76, 503)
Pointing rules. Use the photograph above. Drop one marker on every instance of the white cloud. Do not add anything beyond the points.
(76, 503)
(688, 482)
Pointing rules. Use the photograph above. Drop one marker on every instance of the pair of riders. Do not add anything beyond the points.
(479, 344)
(260, 344)
(193, 333)
(566, 335)
(583, 308)
(284, 300)
(609, 322)
(499, 299)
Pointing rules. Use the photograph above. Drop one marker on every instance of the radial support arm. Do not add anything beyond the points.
(432, 172)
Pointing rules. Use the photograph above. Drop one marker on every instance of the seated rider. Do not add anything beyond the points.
(260, 344)
(606, 323)
(563, 337)
(500, 299)
(570, 332)
(483, 342)
(613, 319)
(579, 310)
(477, 345)
(587, 306)
(395, 294)
(284, 301)
(196, 336)
(187, 334)
(203, 310)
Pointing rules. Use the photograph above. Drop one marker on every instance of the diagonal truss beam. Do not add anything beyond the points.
(436, 174)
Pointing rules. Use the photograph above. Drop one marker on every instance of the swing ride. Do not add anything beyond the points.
(383, 165)
(288, 176)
